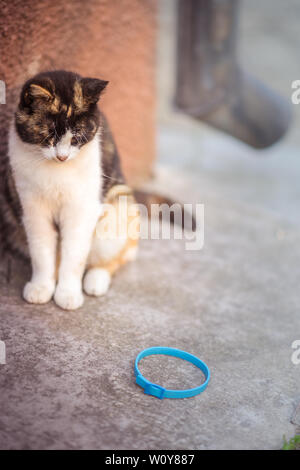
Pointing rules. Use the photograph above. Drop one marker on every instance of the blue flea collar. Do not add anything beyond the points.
(161, 392)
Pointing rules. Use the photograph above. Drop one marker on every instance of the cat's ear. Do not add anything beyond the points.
(92, 89)
(37, 91)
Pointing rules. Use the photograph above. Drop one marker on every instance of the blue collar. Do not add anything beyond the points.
(161, 392)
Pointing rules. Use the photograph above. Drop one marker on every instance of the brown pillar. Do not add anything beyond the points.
(113, 40)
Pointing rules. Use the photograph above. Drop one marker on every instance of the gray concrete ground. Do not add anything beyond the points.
(69, 383)
(69, 380)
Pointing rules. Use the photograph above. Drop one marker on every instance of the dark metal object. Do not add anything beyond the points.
(210, 84)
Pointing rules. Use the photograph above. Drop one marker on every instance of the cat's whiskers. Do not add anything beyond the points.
(84, 136)
(55, 131)
(47, 137)
(111, 178)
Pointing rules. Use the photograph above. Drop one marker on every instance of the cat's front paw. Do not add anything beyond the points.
(96, 281)
(38, 292)
(68, 297)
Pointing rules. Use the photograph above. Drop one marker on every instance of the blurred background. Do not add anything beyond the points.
(267, 43)
(158, 53)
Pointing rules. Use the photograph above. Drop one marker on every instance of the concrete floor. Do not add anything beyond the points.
(69, 380)
(265, 182)
(69, 383)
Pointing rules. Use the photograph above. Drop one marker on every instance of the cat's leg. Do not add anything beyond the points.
(96, 281)
(98, 278)
(76, 231)
(42, 241)
(115, 241)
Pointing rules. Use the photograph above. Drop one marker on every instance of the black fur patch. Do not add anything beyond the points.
(53, 102)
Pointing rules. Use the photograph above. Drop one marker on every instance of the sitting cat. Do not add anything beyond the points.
(65, 165)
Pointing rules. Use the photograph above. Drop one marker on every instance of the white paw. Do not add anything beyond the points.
(68, 298)
(96, 281)
(38, 292)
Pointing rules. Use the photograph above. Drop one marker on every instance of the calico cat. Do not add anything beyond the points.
(65, 166)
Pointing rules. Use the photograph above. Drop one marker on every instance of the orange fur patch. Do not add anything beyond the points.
(122, 257)
(78, 98)
(40, 92)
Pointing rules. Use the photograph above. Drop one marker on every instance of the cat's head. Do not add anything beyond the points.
(58, 113)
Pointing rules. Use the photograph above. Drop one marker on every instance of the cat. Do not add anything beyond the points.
(64, 169)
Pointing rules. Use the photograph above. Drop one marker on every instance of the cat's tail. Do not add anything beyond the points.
(152, 201)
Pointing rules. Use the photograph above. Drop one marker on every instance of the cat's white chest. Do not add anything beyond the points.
(77, 180)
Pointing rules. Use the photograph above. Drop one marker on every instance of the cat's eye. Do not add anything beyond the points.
(93, 126)
(74, 141)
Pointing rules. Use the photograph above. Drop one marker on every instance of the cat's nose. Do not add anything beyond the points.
(62, 158)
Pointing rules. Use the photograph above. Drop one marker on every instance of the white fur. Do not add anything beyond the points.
(62, 149)
(105, 249)
(63, 193)
(96, 281)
